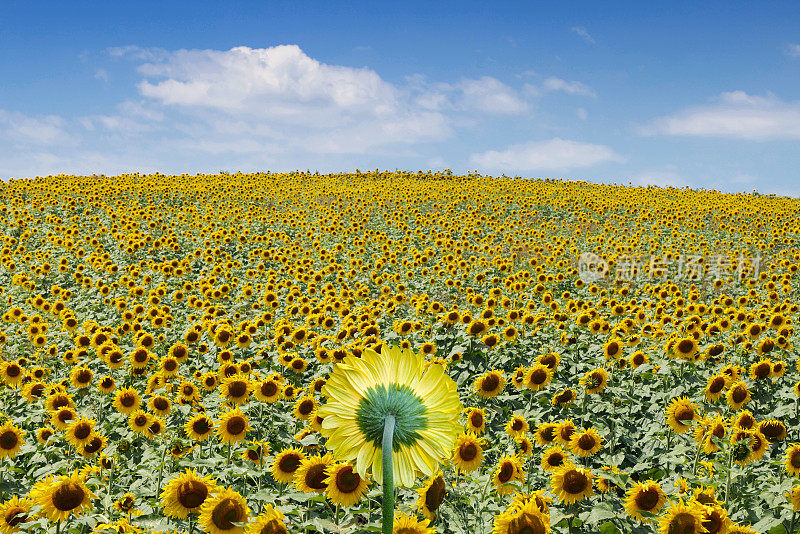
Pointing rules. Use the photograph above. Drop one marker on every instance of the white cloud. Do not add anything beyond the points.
(553, 155)
(793, 50)
(483, 95)
(582, 114)
(20, 129)
(734, 115)
(581, 31)
(281, 95)
(490, 95)
(572, 88)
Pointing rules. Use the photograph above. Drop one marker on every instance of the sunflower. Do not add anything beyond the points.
(564, 398)
(11, 373)
(490, 384)
(761, 369)
(310, 475)
(773, 430)
(682, 518)
(61, 496)
(431, 496)
(219, 513)
(680, 413)
(255, 452)
(233, 426)
(344, 486)
(525, 519)
(81, 377)
(564, 431)
(793, 496)
(106, 385)
(476, 420)
(744, 420)
(13, 513)
(236, 389)
(792, 459)
(268, 390)
(571, 483)
(524, 445)
(738, 395)
(127, 400)
(516, 426)
(95, 444)
(715, 386)
(595, 380)
(645, 497)
(361, 392)
(537, 377)
(126, 503)
(186, 493)
(199, 427)
(740, 529)
(160, 405)
(508, 470)
(546, 433)
(44, 433)
(715, 520)
(553, 458)
(468, 452)
(585, 442)
(11, 440)
(138, 421)
(270, 521)
(304, 407)
(286, 463)
(409, 524)
(685, 347)
(79, 431)
(612, 349)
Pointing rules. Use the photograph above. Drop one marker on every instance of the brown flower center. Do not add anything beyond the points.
(236, 425)
(347, 481)
(647, 499)
(68, 496)
(192, 493)
(8, 440)
(575, 482)
(226, 513)
(435, 494)
(468, 452)
(315, 477)
(289, 463)
(82, 430)
(490, 383)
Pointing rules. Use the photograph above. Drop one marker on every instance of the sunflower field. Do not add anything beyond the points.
(198, 353)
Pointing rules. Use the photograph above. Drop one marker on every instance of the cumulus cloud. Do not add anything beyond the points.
(279, 96)
(735, 115)
(572, 88)
(552, 155)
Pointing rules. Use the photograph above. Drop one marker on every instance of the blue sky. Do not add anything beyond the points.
(684, 93)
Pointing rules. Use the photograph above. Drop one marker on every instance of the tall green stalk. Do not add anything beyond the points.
(388, 474)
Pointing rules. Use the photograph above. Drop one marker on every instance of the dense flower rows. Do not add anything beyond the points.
(167, 343)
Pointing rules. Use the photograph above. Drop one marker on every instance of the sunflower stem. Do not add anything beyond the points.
(388, 474)
(791, 525)
(728, 482)
(161, 468)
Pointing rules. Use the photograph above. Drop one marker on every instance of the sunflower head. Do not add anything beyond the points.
(362, 392)
(224, 513)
